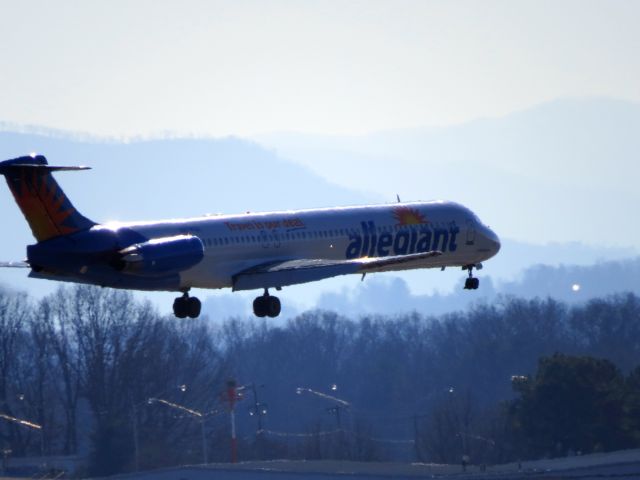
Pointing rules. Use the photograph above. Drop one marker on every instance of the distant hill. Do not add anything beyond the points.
(391, 295)
(565, 171)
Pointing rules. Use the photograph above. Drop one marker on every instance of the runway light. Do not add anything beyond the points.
(575, 287)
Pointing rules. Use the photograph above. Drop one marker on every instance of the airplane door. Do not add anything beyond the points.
(471, 232)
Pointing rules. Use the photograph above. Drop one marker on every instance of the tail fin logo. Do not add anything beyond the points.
(42, 201)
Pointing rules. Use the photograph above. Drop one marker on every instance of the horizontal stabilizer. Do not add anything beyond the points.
(14, 265)
(293, 272)
(48, 168)
(34, 163)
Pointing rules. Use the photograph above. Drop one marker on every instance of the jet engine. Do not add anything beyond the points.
(161, 256)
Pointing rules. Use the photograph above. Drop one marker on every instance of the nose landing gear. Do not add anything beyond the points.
(471, 283)
(186, 306)
(266, 305)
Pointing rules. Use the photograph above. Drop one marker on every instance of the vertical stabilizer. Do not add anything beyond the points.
(43, 203)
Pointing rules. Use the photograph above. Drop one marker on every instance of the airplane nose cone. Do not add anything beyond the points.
(497, 244)
(492, 240)
(495, 241)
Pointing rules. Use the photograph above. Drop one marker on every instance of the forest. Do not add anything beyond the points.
(94, 373)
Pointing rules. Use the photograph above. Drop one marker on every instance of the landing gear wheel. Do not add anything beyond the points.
(273, 307)
(471, 283)
(260, 307)
(180, 307)
(186, 306)
(266, 306)
(194, 307)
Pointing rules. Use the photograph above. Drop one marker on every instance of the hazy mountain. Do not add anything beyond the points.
(564, 171)
(153, 179)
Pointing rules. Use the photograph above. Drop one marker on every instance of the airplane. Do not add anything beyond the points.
(251, 251)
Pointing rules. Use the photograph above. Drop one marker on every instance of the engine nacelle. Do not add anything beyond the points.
(161, 256)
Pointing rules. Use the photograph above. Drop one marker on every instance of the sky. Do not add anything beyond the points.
(152, 67)
(206, 68)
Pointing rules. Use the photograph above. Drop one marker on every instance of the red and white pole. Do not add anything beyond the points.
(232, 397)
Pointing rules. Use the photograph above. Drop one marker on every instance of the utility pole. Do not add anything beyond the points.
(258, 409)
(136, 444)
(134, 425)
(204, 441)
(336, 410)
(341, 450)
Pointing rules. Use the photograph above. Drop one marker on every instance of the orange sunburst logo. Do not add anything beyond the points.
(409, 216)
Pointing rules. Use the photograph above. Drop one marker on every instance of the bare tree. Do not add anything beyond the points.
(14, 314)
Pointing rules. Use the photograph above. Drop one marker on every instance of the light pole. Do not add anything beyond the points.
(344, 403)
(339, 405)
(23, 398)
(449, 390)
(193, 414)
(23, 423)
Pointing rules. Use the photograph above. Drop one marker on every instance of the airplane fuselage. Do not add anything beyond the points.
(234, 243)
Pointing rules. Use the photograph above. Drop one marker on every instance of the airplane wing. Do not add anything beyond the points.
(292, 272)
(14, 265)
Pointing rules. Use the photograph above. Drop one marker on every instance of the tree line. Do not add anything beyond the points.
(108, 377)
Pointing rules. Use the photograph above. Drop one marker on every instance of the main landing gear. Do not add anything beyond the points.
(186, 306)
(266, 305)
(471, 283)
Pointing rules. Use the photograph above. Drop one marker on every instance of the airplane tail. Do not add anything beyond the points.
(43, 203)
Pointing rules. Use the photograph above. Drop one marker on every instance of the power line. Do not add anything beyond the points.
(335, 432)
